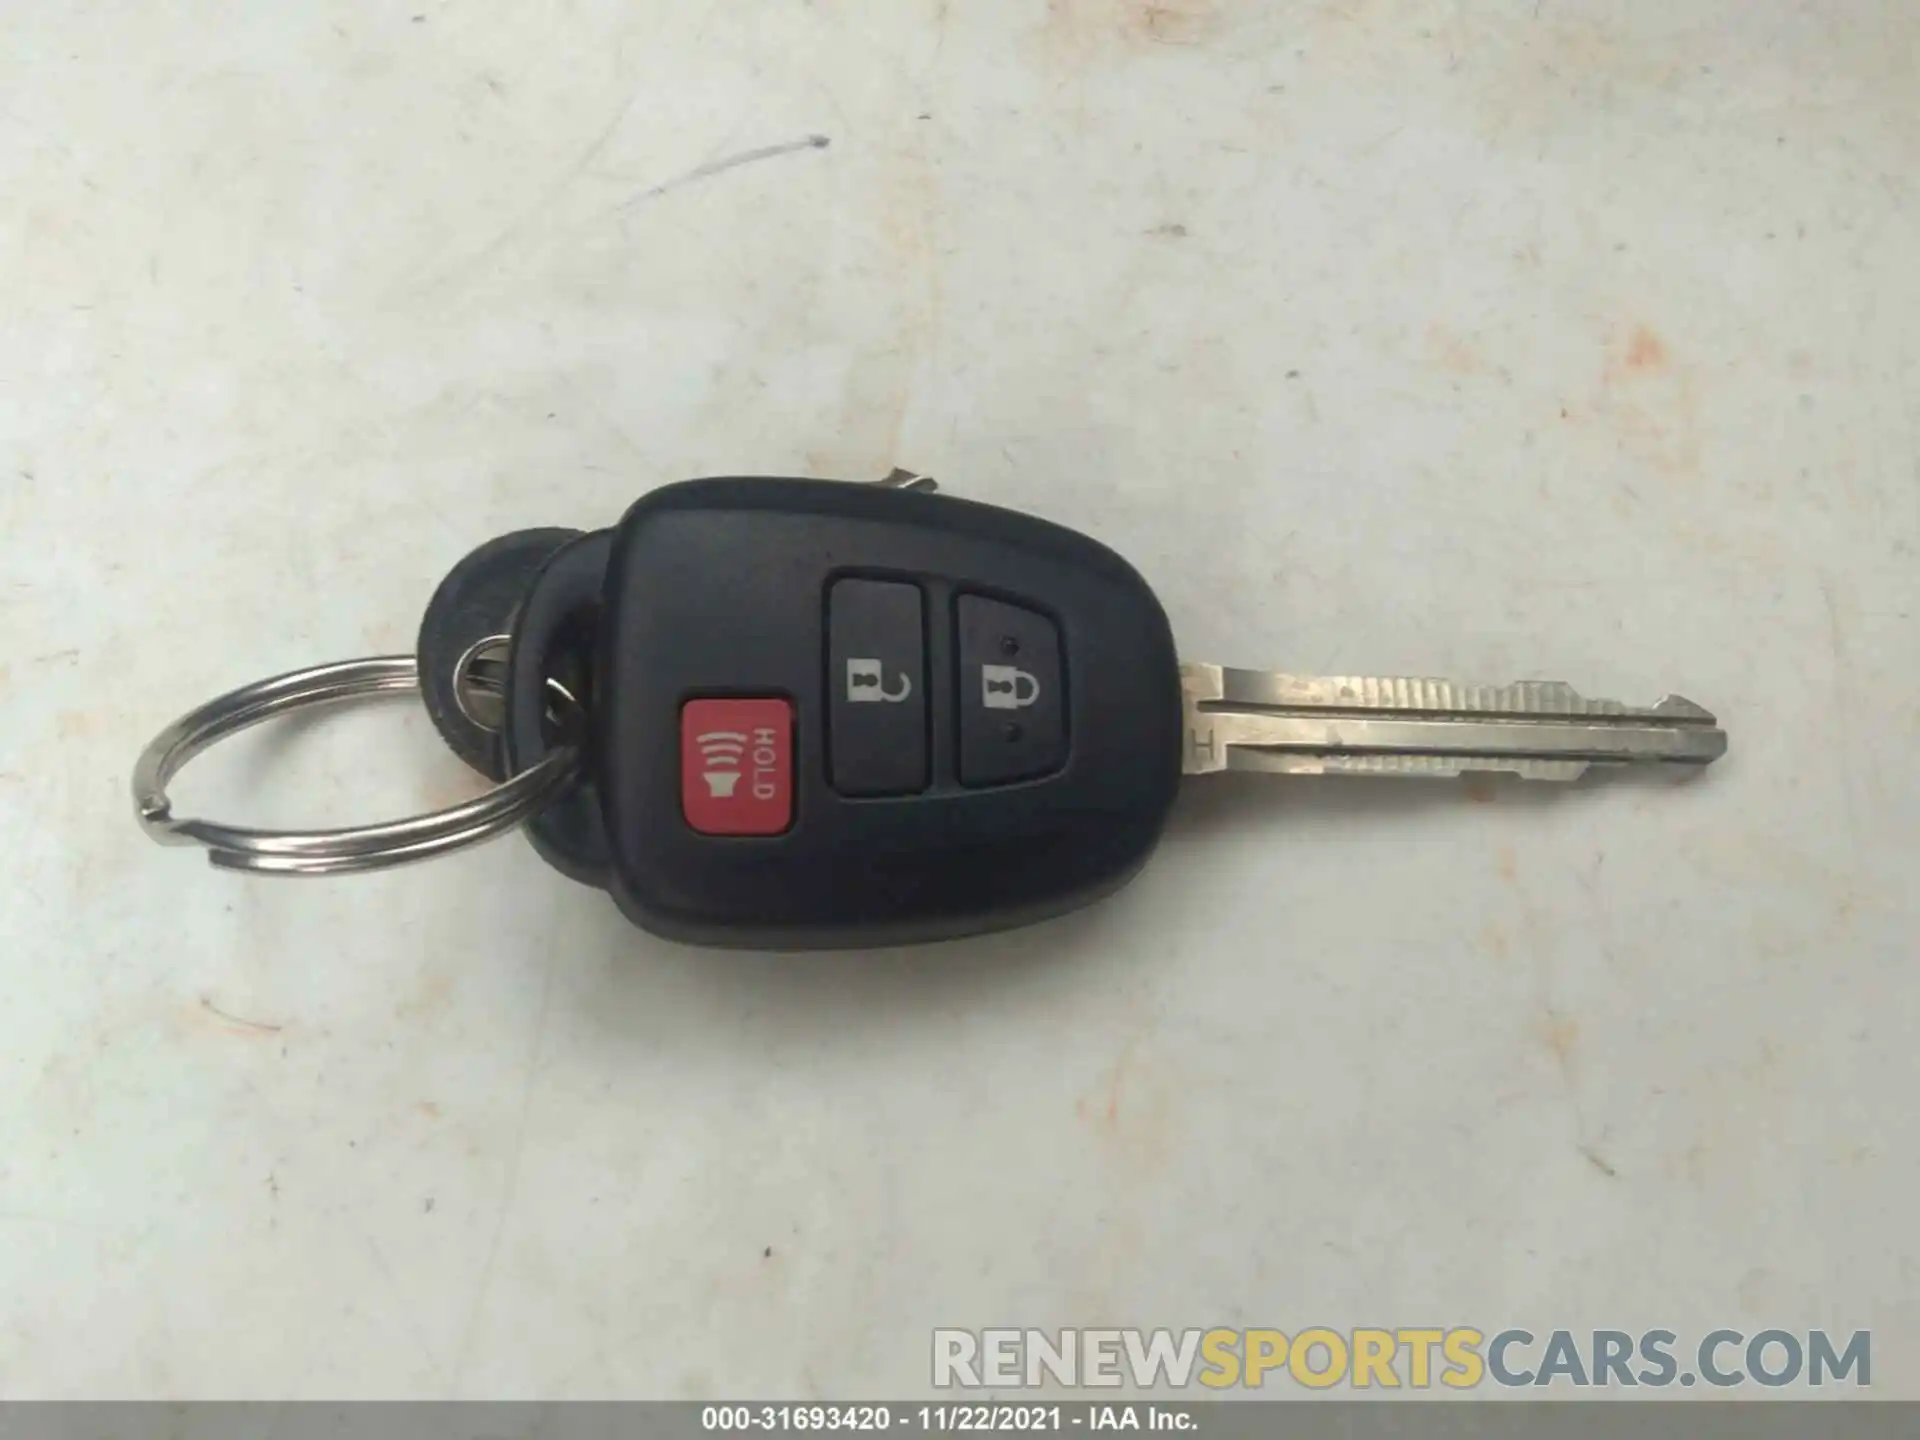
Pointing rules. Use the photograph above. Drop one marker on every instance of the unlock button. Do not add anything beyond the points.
(1013, 711)
(876, 688)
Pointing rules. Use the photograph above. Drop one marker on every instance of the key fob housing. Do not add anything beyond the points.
(824, 714)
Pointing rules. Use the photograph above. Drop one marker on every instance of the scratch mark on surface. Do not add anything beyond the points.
(877, 387)
(258, 1027)
(384, 1268)
(1116, 1078)
(729, 162)
(1599, 1162)
(510, 1191)
(1495, 940)
(1842, 684)
(550, 196)
(55, 1222)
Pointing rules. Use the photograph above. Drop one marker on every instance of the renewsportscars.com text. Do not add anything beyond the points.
(1459, 1358)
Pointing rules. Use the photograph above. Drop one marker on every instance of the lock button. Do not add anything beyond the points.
(876, 688)
(1012, 692)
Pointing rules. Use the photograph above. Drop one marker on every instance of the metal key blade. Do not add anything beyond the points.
(1341, 725)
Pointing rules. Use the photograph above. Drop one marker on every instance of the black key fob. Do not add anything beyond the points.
(820, 714)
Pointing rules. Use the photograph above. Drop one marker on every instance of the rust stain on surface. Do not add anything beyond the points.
(1560, 1034)
(1116, 1078)
(1507, 863)
(1453, 353)
(429, 999)
(1645, 350)
(1649, 401)
(1479, 787)
(1132, 1110)
(1692, 1163)
(1755, 1290)
(1177, 24)
(1076, 29)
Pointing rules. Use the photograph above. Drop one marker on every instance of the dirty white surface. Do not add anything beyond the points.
(1499, 340)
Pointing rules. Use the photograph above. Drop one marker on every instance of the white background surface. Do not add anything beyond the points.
(1500, 340)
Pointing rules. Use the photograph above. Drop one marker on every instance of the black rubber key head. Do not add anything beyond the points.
(825, 714)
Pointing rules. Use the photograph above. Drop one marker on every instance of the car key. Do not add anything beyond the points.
(800, 713)
(830, 715)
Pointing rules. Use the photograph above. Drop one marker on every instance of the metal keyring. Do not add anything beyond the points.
(327, 852)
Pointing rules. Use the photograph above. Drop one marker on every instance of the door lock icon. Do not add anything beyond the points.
(1002, 687)
(866, 684)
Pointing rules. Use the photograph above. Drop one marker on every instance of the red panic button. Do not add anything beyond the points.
(736, 766)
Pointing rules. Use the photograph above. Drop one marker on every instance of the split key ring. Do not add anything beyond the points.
(328, 852)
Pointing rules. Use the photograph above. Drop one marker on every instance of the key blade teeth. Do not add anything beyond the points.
(1230, 690)
(1433, 767)
(1390, 725)
(1565, 771)
(1544, 697)
(1678, 707)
